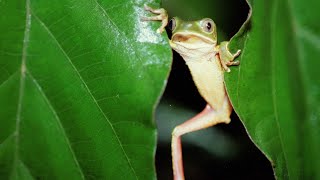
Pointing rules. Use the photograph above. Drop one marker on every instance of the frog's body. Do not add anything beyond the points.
(196, 42)
(200, 56)
(211, 86)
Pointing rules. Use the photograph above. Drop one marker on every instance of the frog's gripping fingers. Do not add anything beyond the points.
(225, 67)
(153, 18)
(155, 11)
(157, 18)
(162, 16)
(163, 25)
(225, 64)
(226, 57)
(237, 54)
(233, 63)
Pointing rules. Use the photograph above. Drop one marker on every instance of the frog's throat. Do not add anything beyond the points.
(196, 54)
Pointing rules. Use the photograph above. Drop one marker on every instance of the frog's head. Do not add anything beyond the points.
(193, 38)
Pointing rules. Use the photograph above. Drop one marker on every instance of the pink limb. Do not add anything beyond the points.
(208, 117)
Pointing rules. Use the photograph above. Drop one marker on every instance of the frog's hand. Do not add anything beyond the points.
(226, 57)
(162, 16)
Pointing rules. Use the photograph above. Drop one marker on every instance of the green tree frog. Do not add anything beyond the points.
(196, 42)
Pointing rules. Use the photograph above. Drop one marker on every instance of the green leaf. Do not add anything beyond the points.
(276, 89)
(79, 81)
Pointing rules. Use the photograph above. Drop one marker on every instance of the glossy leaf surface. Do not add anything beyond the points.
(79, 81)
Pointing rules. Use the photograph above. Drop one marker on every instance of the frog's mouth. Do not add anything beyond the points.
(191, 41)
(190, 38)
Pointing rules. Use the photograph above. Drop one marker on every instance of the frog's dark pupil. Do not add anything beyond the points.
(170, 25)
(208, 26)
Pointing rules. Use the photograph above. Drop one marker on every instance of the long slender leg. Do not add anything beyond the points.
(208, 117)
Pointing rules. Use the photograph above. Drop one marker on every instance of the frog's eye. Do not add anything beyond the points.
(172, 24)
(207, 25)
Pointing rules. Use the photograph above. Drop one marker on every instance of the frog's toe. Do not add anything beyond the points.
(237, 53)
(233, 63)
(147, 8)
(159, 30)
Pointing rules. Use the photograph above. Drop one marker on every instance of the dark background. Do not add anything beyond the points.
(220, 152)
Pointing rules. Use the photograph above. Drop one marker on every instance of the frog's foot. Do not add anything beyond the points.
(162, 15)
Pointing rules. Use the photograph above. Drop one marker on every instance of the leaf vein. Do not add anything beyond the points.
(21, 85)
(58, 121)
(10, 76)
(90, 94)
(274, 92)
(118, 29)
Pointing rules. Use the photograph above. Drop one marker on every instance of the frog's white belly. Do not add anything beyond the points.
(208, 77)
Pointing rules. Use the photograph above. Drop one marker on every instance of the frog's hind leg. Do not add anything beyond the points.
(208, 117)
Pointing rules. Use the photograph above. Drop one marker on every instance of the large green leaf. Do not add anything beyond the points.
(276, 89)
(79, 81)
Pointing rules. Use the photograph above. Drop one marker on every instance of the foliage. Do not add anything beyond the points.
(79, 81)
(79, 84)
(275, 90)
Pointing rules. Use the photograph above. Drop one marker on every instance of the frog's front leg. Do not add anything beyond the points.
(162, 16)
(226, 57)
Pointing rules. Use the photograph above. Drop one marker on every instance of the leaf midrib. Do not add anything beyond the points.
(23, 69)
(58, 121)
(89, 92)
